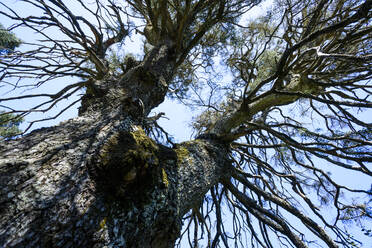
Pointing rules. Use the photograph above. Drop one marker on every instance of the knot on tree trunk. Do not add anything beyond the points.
(129, 164)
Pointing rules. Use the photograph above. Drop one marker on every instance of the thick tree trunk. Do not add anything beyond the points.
(98, 180)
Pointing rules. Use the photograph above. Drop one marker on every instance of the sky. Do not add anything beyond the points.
(178, 116)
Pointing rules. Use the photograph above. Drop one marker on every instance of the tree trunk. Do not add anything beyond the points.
(98, 180)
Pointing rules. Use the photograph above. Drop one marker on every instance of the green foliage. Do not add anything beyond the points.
(207, 119)
(255, 54)
(288, 89)
(118, 64)
(9, 125)
(266, 64)
(8, 41)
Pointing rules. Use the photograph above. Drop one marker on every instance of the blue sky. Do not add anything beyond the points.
(178, 116)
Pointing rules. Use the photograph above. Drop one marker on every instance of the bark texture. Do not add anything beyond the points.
(98, 180)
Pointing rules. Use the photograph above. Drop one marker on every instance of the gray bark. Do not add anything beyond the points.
(97, 180)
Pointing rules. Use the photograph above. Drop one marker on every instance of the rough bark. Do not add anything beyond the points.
(97, 180)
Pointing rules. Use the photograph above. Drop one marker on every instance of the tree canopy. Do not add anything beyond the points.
(287, 93)
(8, 41)
(9, 126)
(8, 122)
